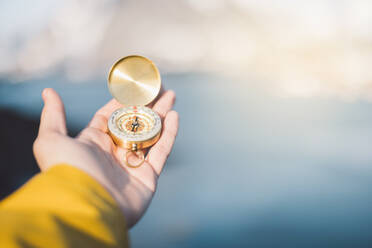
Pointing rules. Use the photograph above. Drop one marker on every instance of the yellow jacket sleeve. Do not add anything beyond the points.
(62, 207)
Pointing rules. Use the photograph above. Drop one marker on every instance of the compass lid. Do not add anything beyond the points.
(134, 80)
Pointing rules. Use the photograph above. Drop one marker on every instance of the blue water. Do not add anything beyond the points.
(249, 168)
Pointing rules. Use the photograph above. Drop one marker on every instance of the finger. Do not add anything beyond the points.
(100, 118)
(108, 108)
(165, 103)
(99, 122)
(159, 153)
(161, 92)
(53, 117)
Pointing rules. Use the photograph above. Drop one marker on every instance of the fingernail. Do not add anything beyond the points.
(44, 94)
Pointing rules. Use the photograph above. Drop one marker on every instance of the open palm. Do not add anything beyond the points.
(94, 152)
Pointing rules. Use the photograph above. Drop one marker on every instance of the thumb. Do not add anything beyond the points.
(53, 115)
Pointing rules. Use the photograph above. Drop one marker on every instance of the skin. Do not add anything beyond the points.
(94, 152)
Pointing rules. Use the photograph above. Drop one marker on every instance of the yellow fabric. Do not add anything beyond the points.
(62, 207)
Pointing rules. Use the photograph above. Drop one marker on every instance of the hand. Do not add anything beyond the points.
(94, 152)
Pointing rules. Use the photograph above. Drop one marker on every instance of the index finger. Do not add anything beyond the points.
(109, 107)
(100, 118)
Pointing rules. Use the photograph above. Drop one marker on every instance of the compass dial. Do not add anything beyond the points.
(134, 125)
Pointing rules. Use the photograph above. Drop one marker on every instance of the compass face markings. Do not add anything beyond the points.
(135, 123)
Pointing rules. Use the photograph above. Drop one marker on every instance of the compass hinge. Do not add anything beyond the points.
(134, 147)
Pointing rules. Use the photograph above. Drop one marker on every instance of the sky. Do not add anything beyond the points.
(296, 48)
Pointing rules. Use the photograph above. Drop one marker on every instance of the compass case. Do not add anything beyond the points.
(134, 81)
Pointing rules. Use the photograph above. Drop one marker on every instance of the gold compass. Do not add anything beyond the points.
(134, 81)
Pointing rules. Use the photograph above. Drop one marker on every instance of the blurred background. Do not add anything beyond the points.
(275, 141)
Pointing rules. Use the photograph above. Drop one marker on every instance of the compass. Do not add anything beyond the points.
(134, 81)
